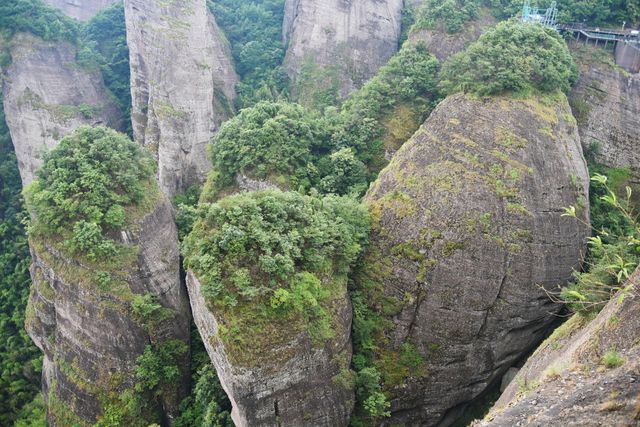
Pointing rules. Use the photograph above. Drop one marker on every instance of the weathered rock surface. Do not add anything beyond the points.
(87, 331)
(182, 84)
(564, 382)
(467, 230)
(81, 9)
(47, 95)
(349, 40)
(442, 44)
(286, 380)
(606, 102)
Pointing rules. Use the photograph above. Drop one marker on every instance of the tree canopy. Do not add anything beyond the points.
(511, 57)
(85, 185)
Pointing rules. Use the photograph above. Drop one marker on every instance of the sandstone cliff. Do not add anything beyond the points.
(337, 45)
(88, 332)
(47, 95)
(467, 228)
(567, 382)
(606, 103)
(442, 44)
(182, 85)
(284, 378)
(81, 9)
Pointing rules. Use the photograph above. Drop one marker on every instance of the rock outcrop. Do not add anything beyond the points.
(81, 9)
(285, 379)
(337, 44)
(182, 84)
(47, 95)
(442, 44)
(467, 233)
(606, 103)
(568, 381)
(91, 337)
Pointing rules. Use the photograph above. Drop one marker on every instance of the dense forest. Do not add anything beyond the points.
(284, 255)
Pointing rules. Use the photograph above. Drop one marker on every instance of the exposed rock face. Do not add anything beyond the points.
(81, 9)
(182, 84)
(349, 40)
(87, 331)
(442, 44)
(606, 102)
(47, 95)
(295, 383)
(564, 382)
(467, 228)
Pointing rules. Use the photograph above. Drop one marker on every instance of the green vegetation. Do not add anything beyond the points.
(37, 18)
(254, 30)
(612, 359)
(86, 185)
(614, 252)
(20, 360)
(338, 152)
(451, 14)
(269, 260)
(104, 42)
(511, 57)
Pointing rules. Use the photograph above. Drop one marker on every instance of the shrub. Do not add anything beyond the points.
(613, 253)
(452, 14)
(612, 359)
(511, 57)
(274, 246)
(85, 185)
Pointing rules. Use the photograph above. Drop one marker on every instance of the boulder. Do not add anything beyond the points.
(467, 237)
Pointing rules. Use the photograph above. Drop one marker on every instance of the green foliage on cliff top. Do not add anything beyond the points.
(511, 57)
(451, 14)
(271, 257)
(86, 185)
(19, 358)
(37, 18)
(254, 30)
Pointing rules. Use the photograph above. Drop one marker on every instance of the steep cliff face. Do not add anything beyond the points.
(467, 230)
(567, 380)
(337, 44)
(442, 44)
(47, 95)
(81, 9)
(288, 380)
(182, 84)
(91, 337)
(606, 103)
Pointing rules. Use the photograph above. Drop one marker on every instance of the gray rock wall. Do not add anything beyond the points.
(47, 95)
(351, 38)
(606, 102)
(182, 85)
(81, 9)
(467, 232)
(88, 334)
(565, 382)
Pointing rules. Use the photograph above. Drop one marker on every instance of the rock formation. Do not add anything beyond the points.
(567, 382)
(182, 84)
(338, 44)
(467, 232)
(88, 332)
(442, 44)
(606, 103)
(81, 9)
(286, 380)
(47, 95)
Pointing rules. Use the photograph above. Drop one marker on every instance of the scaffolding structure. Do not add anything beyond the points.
(546, 17)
